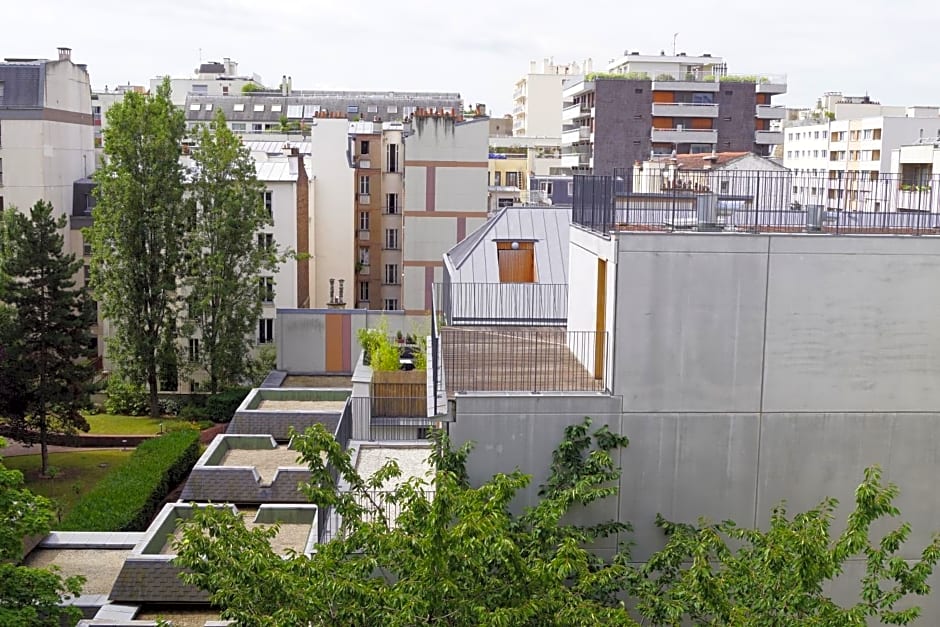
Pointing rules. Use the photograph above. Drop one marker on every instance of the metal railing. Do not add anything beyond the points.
(524, 359)
(836, 202)
(503, 303)
(376, 505)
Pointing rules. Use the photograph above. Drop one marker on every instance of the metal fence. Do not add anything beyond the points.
(342, 435)
(376, 505)
(503, 303)
(758, 201)
(524, 359)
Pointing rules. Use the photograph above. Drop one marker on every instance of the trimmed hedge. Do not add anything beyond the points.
(221, 407)
(128, 499)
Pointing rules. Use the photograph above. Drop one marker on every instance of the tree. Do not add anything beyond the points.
(779, 576)
(28, 596)
(136, 238)
(454, 555)
(226, 257)
(49, 348)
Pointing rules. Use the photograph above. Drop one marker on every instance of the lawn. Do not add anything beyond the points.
(111, 424)
(75, 473)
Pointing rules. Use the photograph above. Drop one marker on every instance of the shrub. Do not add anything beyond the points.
(221, 407)
(204, 424)
(127, 499)
(126, 397)
(169, 407)
(193, 413)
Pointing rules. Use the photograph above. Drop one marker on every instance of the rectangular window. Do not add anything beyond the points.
(266, 289)
(392, 109)
(257, 128)
(86, 249)
(512, 179)
(364, 184)
(238, 127)
(391, 239)
(195, 106)
(516, 261)
(352, 109)
(265, 330)
(265, 241)
(391, 274)
(269, 203)
(258, 108)
(363, 290)
(169, 376)
(391, 304)
(364, 255)
(391, 204)
(364, 147)
(200, 89)
(571, 189)
(86, 273)
(363, 220)
(497, 178)
(238, 106)
(372, 109)
(193, 349)
(391, 157)
(546, 187)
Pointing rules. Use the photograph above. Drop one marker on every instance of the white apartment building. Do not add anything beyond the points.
(46, 131)
(537, 100)
(917, 167)
(209, 79)
(862, 144)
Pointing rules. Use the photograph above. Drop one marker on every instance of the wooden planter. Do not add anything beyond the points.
(399, 394)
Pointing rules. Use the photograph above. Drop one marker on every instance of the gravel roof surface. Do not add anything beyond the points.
(276, 405)
(100, 567)
(265, 461)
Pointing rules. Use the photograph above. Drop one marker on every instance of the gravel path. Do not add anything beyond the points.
(276, 405)
(16, 449)
(100, 567)
(265, 461)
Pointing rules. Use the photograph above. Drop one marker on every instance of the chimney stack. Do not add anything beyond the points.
(65, 54)
(336, 303)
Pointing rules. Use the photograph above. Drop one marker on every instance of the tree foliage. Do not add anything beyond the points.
(225, 259)
(28, 596)
(47, 367)
(453, 555)
(721, 574)
(136, 237)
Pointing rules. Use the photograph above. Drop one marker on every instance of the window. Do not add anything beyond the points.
(257, 128)
(169, 376)
(391, 239)
(238, 106)
(497, 178)
(195, 106)
(275, 108)
(372, 109)
(364, 255)
(265, 241)
(391, 157)
(825, 134)
(193, 349)
(516, 261)
(392, 109)
(208, 106)
(512, 179)
(238, 126)
(546, 187)
(638, 90)
(363, 220)
(258, 108)
(875, 156)
(364, 184)
(86, 249)
(391, 304)
(269, 202)
(866, 134)
(200, 89)
(266, 289)
(391, 203)
(571, 189)
(86, 273)
(364, 147)
(391, 274)
(352, 109)
(363, 290)
(265, 330)
(225, 90)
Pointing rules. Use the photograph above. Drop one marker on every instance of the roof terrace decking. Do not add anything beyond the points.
(522, 359)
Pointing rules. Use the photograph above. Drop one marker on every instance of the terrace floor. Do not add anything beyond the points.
(516, 359)
(265, 461)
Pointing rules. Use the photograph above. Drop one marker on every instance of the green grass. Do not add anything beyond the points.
(76, 473)
(110, 424)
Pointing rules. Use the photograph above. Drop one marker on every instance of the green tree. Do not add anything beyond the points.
(137, 235)
(454, 555)
(779, 576)
(29, 596)
(226, 257)
(49, 347)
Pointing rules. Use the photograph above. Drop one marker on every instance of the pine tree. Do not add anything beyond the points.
(49, 351)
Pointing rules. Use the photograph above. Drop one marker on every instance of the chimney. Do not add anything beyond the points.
(336, 303)
(283, 84)
(65, 54)
(290, 85)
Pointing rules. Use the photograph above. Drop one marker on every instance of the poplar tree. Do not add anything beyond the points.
(137, 235)
(227, 260)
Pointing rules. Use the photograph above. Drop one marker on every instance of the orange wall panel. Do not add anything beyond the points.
(701, 123)
(334, 342)
(662, 123)
(664, 96)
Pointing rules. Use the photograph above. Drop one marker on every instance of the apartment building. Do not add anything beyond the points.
(536, 97)
(917, 170)
(664, 104)
(376, 152)
(46, 130)
(101, 102)
(213, 78)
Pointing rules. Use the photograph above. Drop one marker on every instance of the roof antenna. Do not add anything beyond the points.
(674, 37)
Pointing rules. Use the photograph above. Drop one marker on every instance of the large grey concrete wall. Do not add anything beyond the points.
(749, 370)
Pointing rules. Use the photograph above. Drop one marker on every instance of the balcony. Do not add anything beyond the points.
(519, 108)
(771, 112)
(579, 134)
(772, 84)
(773, 138)
(685, 81)
(574, 112)
(685, 110)
(576, 156)
(684, 136)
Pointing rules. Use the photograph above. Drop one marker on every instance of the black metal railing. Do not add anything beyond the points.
(524, 359)
(503, 303)
(834, 202)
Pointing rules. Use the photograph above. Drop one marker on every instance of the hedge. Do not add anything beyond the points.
(221, 407)
(128, 499)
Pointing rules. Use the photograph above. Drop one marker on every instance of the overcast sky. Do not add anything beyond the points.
(886, 48)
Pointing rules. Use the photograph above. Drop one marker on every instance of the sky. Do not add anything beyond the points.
(885, 48)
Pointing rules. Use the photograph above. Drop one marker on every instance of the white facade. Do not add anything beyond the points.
(211, 79)
(537, 97)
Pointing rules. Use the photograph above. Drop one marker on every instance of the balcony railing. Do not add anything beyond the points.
(503, 303)
(684, 135)
(771, 112)
(575, 111)
(685, 109)
(580, 133)
(757, 202)
(768, 137)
